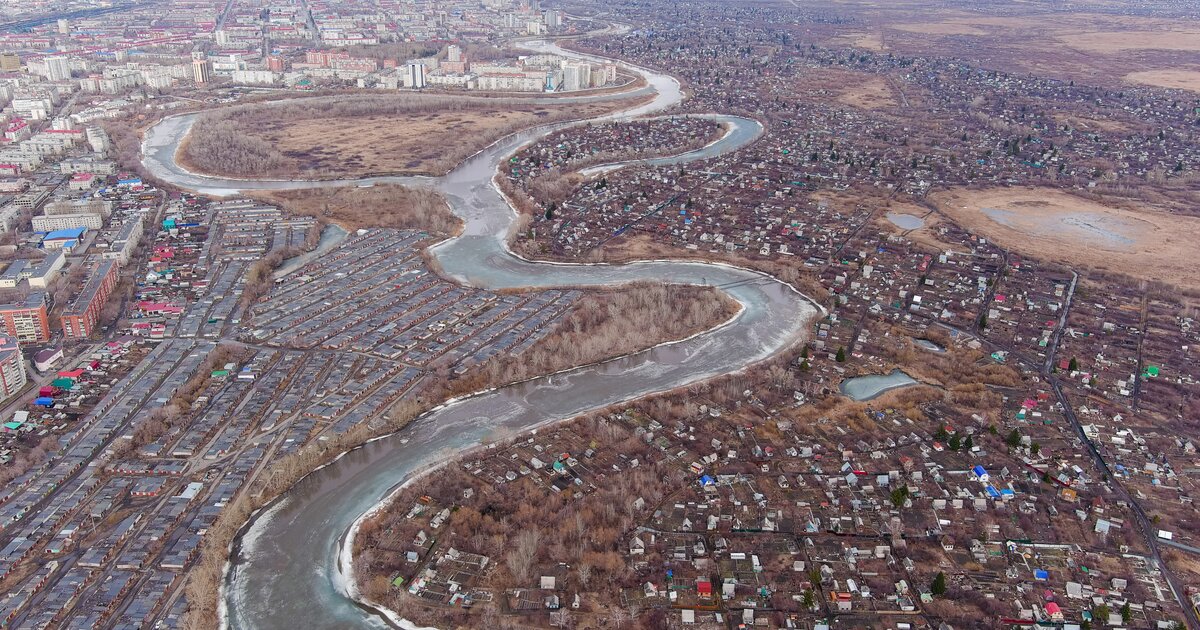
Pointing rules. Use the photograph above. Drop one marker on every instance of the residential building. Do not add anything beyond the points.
(202, 70)
(413, 75)
(58, 68)
(512, 82)
(126, 241)
(576, 76)
(67, 221)
(27, 320)
(81, 315)
(101, 207)
(12, 368)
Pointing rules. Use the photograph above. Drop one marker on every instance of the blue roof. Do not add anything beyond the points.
(72, 233)
(992, 492)
(1041, 574)
(979, 471)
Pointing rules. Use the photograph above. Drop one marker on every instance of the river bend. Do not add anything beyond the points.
(286, 573)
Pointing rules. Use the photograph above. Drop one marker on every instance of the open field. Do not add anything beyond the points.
(940, 28)
(381, 205)
(870, 92)
(1095, 42)
(1059, 226)
(1113, 42)
(367, 135)
(1176, 79)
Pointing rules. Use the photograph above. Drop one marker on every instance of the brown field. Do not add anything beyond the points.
(870, 92)
(383, 144)
(1177, 79)
(381, 205)
(1054, 225)
(1113, 42)
(1091, 124)
(1089, 42)
(362, 136)
(940, 28)
(869, 41)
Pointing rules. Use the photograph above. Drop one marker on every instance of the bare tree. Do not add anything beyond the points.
(584, 570)
(524, 550)
(781, 378)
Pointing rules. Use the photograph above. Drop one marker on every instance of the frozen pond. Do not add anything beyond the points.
(929, 345)
(862, 388)
(905, 221)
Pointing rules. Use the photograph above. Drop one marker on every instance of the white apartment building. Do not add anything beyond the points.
(58, 68)
(67, 222)
(413, 75)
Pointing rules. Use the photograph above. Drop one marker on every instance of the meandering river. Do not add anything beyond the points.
(286, 572)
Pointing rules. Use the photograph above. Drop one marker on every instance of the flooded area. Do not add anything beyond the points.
(1100, 229)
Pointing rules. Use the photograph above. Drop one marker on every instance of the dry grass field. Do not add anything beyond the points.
(362, 135)
(940, 28)
(1114, 42)
(1142, 242)
(419, 143)
(1176, 79)
(867, 92)
(381, 205)
(1098, 42)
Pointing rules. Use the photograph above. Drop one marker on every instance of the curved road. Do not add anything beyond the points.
(286, 572)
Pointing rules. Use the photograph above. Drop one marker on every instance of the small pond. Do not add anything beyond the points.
(862, 388)
(905, 221)
(929, 345)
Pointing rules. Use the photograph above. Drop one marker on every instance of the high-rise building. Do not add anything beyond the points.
(10, 62)
(201, 68)
(576, 76)
(553, 19)
(453, 53)
(64, 26)
(12, 367)
(58, 68)
(413, 75)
